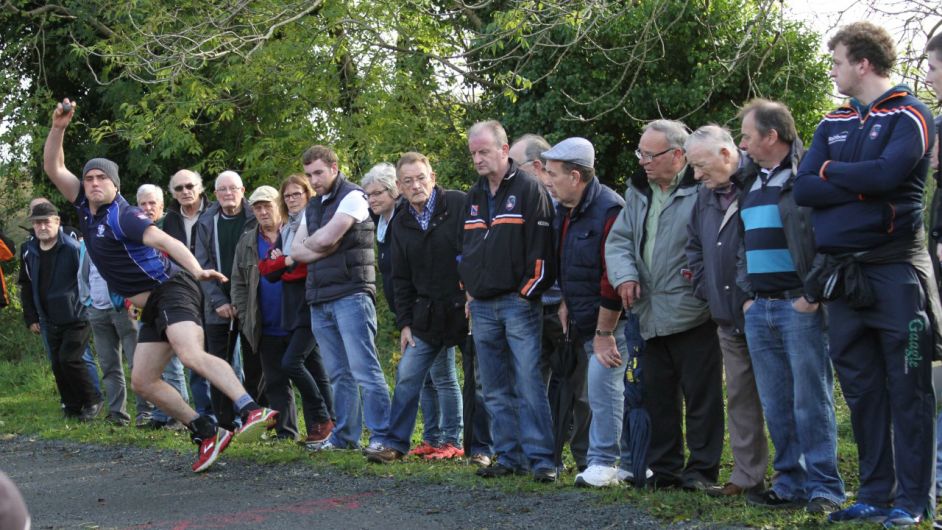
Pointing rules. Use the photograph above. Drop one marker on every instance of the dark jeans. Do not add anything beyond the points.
(67, 344)
(271, 351)
(221, 341)
(283, 362)
(684, 372)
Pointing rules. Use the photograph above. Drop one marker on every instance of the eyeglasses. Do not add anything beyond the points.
(181, 187)
(408, 182)
(293, 196)
(646, 157)
(230, 189)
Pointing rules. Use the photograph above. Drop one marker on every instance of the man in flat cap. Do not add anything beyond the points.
(129, 250)
(585, 212)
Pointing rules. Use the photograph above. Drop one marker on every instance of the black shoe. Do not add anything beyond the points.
(662, 482)
(496, 471)
(820, 505)
(546, 475)
(694, 484)
(770, 499)
(118, 420)
(90, 412)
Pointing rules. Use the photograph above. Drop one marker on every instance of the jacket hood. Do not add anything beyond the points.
(640, 181)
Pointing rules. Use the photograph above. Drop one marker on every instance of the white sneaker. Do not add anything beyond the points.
(316, 447)
(598, 477)
(374, 447)
(624, 474)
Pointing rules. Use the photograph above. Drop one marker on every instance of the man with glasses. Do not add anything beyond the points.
(648, 266)
(188, 203)
(217, 232)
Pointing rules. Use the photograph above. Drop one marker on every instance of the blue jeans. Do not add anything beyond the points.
(416, 364)
(345, 330)
(507, 335)
(606, 388)
(173, 375)
(796, 388)
(440, 400)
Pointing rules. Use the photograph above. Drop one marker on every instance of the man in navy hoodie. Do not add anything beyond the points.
(864, 176)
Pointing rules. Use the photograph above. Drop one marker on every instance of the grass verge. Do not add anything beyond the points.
(29, 407)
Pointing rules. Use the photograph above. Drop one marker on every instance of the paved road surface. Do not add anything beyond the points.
(70, 485)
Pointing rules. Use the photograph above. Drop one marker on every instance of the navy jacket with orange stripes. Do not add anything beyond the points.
(865, 172)
(510, 249)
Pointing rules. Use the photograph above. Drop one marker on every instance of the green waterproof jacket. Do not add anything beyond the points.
(667, 304)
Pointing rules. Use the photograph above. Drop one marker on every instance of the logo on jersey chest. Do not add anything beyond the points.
(840, 137)
(101, 231)
(474, 209)
(875, 131)
(511, 202)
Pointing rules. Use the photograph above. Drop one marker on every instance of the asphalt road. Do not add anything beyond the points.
(70, 485)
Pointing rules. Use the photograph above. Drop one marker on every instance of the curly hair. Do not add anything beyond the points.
(865, 40)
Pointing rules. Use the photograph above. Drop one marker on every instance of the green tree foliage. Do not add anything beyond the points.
(247, 85)
(696, 61)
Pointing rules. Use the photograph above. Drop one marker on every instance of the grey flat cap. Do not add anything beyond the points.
(575, 150)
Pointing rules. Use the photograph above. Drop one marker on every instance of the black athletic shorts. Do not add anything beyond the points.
(179, 299)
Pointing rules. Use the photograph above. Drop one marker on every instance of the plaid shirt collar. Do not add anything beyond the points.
(425, 215)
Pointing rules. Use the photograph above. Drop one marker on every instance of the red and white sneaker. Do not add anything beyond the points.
(446, 452)
(258, 421)
(210, 449)
(423, 449)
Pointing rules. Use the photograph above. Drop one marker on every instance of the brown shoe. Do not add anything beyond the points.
(384, 456)
(319, 432)
(726, 490)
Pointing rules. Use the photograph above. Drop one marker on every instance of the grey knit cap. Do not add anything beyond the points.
(106, 166)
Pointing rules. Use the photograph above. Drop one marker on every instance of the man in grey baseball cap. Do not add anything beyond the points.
(585, 213)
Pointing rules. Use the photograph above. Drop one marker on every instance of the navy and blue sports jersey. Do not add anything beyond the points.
(114, 239)
(865, 173)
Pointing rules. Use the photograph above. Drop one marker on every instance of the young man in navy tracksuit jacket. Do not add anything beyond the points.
(864, 177)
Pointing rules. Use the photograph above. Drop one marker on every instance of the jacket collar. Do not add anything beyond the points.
(641, 183)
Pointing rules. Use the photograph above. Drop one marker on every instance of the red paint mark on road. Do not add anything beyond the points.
(258, 516)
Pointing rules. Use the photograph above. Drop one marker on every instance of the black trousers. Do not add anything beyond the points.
(67, 344)
(883, 359)
(285, 360)
(683, 372)
(221, 341)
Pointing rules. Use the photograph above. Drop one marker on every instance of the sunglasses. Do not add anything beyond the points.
(180, 188)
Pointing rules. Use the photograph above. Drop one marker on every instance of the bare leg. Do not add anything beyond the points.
(186, 339)
(150, 359)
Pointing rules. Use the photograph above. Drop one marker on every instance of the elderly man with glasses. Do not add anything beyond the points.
(647, 265)
(217, 232)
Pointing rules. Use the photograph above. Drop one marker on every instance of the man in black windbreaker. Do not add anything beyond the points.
(506, 264)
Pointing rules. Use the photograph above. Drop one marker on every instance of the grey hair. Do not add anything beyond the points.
(186, 172)
(148, 189)
(229, 173)
(492, 126)
(533, 146)
(675, 131)
(711, 135)
(383, 174)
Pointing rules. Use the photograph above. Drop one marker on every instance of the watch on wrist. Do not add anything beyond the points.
(600, 333)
